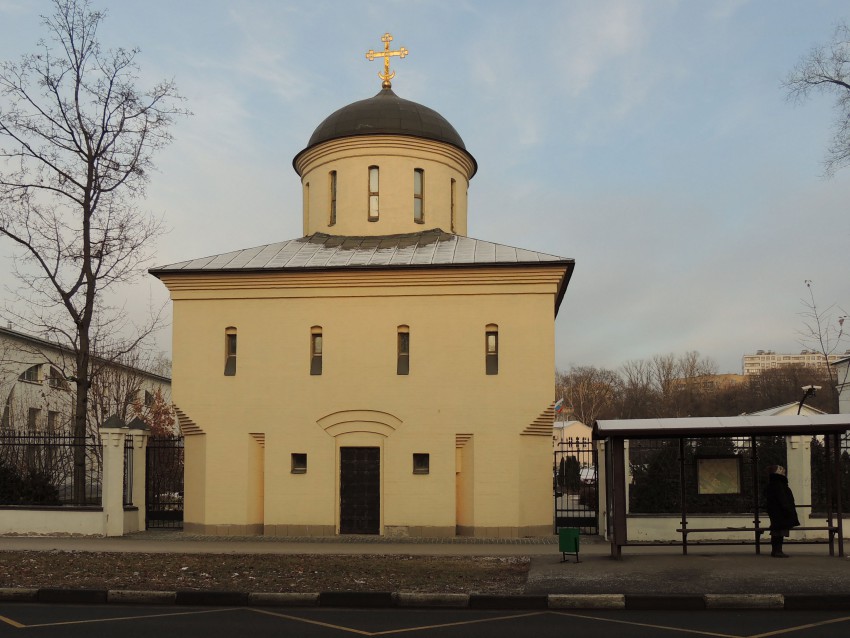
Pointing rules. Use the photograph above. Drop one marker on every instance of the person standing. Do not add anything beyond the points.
(779, 501)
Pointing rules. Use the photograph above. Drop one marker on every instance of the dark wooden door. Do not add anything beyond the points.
(360, 490)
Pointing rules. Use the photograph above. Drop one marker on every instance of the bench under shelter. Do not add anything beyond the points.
(615, 434)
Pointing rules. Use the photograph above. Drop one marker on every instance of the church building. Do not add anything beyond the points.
(383, 374)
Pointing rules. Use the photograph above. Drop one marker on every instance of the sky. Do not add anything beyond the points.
(651, 141)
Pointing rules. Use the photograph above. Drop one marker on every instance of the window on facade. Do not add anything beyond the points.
(131, 397)
(33, 418)
(299, 463)
(307, 199)
(453, 207)
(418, 190)
(421, 463)
(56, 380)
(332, 203)
(316, 350)
(30, 374)
(230, 352)
(149, 398)
(373, 194)
(492, 349)
(403, 358)
(52, 421)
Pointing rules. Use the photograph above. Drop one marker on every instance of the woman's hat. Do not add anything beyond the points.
(776, 469)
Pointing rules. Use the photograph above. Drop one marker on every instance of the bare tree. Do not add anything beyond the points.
(823, 332)
(588, 391)
(827, 69)
(637, 397)
(77, 140)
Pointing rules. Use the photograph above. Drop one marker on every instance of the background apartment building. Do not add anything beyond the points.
(767, 359)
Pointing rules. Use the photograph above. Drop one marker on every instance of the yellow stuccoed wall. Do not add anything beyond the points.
(396, 157)
(486, 477)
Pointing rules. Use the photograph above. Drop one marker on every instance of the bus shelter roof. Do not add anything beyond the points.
(695, 427)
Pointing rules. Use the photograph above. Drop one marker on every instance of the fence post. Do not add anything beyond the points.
(112, 435)
(798, 459)
(140, 432)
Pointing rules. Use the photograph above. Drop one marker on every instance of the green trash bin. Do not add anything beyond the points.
(568, 542)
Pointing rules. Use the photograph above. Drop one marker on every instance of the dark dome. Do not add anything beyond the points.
(385, 114)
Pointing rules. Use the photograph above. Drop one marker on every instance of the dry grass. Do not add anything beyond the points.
(262, 572)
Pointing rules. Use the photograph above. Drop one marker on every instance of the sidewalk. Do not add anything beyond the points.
(731, 573)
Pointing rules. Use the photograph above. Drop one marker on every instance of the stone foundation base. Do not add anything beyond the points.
(418, 531)
(504, 532)
(390, 531)
(300, 530)
(201, 529)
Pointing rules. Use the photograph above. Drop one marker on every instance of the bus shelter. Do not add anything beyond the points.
(715, 472)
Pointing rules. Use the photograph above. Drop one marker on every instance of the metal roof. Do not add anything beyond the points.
(721, 426)
(385, 114)
(321, 251)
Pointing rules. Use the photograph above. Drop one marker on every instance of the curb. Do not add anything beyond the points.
(132, 597)
(587, 601)
(820, 602)
(434, 601)
(408, 600)
(72, 596)
(744, 601)
(260, 599)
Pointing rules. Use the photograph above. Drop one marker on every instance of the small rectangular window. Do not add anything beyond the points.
(52, 421)
(230, 352)
(33, 418)
(418, 190)
(373, 194)
(299, 463)
(421, 463)
(332, 220)
(316, 352)
(492, 351)
(453, 208)
(403, 363)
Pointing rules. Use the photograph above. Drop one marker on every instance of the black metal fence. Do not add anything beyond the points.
(718, 473)
(820, 489)
(37, 468)
(164, 483)
(575, 483)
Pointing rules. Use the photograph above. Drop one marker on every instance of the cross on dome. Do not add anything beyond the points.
(386, 76)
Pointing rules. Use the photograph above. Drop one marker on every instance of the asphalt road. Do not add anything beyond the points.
(92, 621)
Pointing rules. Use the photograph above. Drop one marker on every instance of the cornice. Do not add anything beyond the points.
(383, 145)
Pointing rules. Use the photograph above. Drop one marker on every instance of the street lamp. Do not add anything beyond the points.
(808, 391)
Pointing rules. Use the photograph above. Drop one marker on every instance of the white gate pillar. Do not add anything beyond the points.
(112, 492)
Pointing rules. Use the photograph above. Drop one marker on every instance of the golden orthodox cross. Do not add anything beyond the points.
(386, 76)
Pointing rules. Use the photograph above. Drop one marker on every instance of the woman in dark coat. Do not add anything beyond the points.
(779, 501)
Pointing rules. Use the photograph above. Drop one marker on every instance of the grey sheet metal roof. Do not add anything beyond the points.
(386, 114)
(721, 426)
(324, 252)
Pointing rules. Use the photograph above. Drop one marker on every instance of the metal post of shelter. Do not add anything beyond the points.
(830, 489)
(755, 470)
(617, 485)
(838, 513)
(683, 495)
